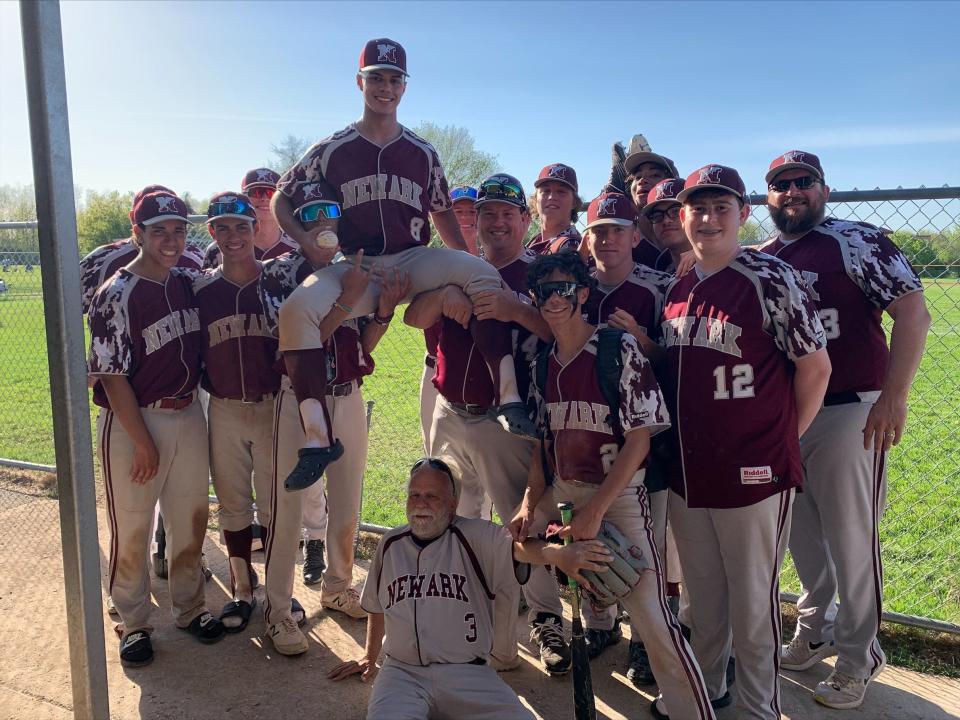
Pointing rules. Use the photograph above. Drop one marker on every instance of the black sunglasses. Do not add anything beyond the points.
(436, 464)
(657, 216)
(802, 183)
(565, 289)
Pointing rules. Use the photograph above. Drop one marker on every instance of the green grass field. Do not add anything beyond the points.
(921, 532)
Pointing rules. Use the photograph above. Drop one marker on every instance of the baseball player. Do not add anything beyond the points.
(101, 263)
(644, 170)
(431, 595)
(747, 369)
(349, 345)
(492, 463)
(662, 211)
(239, 355)
(259, 185)
(556, 202)
(145, 346)
(854, 274)
(391, 184)
(599, 468)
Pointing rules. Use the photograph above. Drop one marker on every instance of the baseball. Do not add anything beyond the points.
(327, 240)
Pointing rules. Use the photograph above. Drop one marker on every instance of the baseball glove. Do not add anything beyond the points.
(617, 182)
(625, 568)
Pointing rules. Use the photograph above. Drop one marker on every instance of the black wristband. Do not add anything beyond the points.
(379, 320)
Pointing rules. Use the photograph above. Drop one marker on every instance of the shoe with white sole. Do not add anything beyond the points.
(287, 638)
(346, 601)
(800, 654)
(842, 691)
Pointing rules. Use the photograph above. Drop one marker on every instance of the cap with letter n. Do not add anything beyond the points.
(714, 177)
(259, 177)
(156, 207)
(664, 193)
(558, 172)
(611, 208)
(383, 54)
(231, 204)
(795, 160)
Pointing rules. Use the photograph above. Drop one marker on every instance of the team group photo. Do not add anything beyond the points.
(638, 411)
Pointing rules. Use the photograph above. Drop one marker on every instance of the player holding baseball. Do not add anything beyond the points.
(430, 594)
(145, 346)
(854, 274)
(259, 185)
(747, 366)
(349, 343)
(493, 463)
(556, 202)
(391, 185)
(239, 355)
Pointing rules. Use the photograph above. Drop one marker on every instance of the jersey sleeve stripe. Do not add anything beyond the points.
(473, 561)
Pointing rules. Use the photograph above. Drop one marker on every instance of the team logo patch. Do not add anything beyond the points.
(227, 198)
(794, 156)
(756, 475)
(264, 175)
(608, 206)
(710, 174)
(166, 204)
(386, 53)
(313, 191)
(558, 171)
(665, 190)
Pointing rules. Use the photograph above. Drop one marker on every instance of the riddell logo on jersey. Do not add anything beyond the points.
(756, 475)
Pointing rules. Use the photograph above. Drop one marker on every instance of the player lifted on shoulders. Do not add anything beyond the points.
(854, 274)
(391, 185)
(747, 369)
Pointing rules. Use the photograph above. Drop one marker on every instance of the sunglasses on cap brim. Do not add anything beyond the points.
(509, 191)
(565, 289)
(237, 207)
(328, 210)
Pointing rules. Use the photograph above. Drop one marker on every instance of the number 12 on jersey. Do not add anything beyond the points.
(741, 379)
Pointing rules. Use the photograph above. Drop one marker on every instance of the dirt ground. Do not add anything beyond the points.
(242, 677)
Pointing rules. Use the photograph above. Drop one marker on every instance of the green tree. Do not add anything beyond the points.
(462, 163)
(17, 204)
(920, 251)
(287, 152)
(103, 218)
(751, 233)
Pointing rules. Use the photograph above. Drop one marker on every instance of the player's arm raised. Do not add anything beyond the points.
(887, 418)
(810, 385)
(123, 402)
(449, 229)
(366, 666)
(395, 286)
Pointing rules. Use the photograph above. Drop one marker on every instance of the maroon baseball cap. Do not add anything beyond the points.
(558, 172)
(159, 206)
(794, 159)
(311, 193)
(260, 177)
(611, 208)
(714, 177)
(230, 204)
(146, 190)
(635, 160)
(383, 54)
(664, 192)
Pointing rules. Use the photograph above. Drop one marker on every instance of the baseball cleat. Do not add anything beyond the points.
(513, 418)
(287, 638)
(311, 463)
(136, 650)
(547, 632)
(800, 654)
(346, 601)
(639, 672)
(844, 692)
(598, 640)
(313, 562)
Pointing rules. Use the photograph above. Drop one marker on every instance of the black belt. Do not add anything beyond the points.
(430, 361)
(477, 661)
(841, 398)
(341, 390)
(469, 408)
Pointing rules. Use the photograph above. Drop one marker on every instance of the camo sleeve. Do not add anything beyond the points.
(439, 190)
(795, 322)
(212, 257)
(306, 169)
(878, 266)
(278, 278)
(111, 345)
(536, 406)
(641, 402)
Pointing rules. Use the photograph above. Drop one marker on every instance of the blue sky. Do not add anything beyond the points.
(192, 94)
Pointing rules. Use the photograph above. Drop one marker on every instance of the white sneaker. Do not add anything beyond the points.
(111, 608)
(287, 638)
(844, 691)
(505, 665)
(800, 654)
(346, 601)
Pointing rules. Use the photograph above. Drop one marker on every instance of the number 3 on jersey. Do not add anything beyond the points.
(742, 381)
(471, 620)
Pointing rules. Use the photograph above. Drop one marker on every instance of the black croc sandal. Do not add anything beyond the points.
(311, 463)
(513, 418)
(237, 608)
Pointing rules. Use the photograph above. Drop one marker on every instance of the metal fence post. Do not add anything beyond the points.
(57, 230)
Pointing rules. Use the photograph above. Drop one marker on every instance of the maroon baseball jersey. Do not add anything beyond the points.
(731, 338)
(346, 359)
(462, 375)
(646, 253)
(431, 337)
(640, 294)
(853, 272)
(212, 257)
(583, 445)
(386, 193)
(239, 350)
(569, 239)
(100, 265)
(147, 331)
(664, 263)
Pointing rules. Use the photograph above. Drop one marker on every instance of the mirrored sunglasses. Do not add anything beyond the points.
(803, 183)
(329, 210)
(261, 193)
(237, 207)
(566, 289)
(508, 191)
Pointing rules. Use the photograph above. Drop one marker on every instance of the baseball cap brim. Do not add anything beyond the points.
(231, 215)
(636, 159)
(664, 201)
(161, 218)
(540, 181)
(515, 203)
(470, 200)
(771, 174)
(261, 183)
(610, 221)
(395, 68)
(687, 192)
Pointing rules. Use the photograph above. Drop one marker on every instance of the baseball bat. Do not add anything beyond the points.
(583, 702)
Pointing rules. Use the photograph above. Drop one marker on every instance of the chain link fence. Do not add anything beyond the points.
(920, 532)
